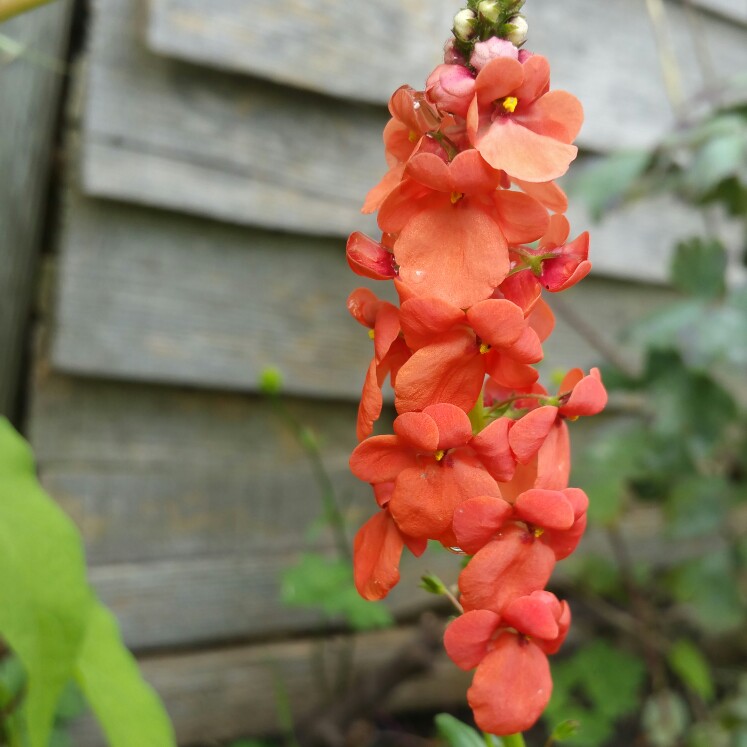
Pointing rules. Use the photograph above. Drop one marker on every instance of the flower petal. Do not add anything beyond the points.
(455, 252)
(477, 520)
(491, 445)
(521, 218)
(511, 687)
(549, 509)
(418, 430)
(424, 319)
(454, 427)
(530, 432)
(450, 370)
(467, 639)
(497, 321)
(377, 549)
(381, 459)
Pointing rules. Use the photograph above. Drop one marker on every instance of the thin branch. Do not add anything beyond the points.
(667, 57)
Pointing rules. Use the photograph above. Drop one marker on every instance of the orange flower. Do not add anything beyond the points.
(512, 684)
(390, 352)
(377, 550)
(518, 125)
(452, 222)
(432, 466)
(454, 350)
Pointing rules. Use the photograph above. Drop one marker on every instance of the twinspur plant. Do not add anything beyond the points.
(473, 231)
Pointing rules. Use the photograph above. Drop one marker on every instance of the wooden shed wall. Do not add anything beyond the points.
(217, 156)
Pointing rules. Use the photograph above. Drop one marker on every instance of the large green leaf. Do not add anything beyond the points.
(127, 708)
(44, 597)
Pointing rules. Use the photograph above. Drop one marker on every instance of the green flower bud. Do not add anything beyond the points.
(518, 34)
(489, 10)
(464, 24)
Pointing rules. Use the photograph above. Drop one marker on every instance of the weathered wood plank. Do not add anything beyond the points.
(306, 44)
(227, 693)
(735, 9)
(155, 473)
(236, 597)
(150, 296)
(232, 148)
(29, 94)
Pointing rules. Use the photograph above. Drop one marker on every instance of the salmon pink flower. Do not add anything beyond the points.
(432, 466)
(518, 125)
(579, 396)
(451, 88)
(451, 221)
(390, 352)
(512, 684)
(555, 265)
(369, 258)
(454, 350)
(556, 517)
(377, 550)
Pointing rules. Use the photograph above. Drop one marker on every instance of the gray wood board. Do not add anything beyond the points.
(29, 94)
(151, 296)
(605, 54)
(240, 150)
(227, 693)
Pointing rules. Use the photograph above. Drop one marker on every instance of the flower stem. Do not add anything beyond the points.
(514, 740)
(477, 414)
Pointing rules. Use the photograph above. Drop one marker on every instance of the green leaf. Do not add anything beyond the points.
(595, 686)
(719, 158)
(607, 183)
(565, 730)
(45, 601)
(699, 268)
(707, 585)
(608, 465)
(697, 506)
(459, 734)
(325, 584)
(690, 665)
(127, 708)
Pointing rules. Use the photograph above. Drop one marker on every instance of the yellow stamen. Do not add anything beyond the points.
(484, 348)
(573, 418)
(538, 532)
(371, 334)
(510, 103)
(440, 454)
(455, 197)
(413, 136)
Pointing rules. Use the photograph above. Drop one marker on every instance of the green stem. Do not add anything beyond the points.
(10, 8)
(477, 415)
(514, 740)
(333, 514)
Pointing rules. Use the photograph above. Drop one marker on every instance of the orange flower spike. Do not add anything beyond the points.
(518, 125)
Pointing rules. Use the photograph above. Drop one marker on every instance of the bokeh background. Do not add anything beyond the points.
(177, 180)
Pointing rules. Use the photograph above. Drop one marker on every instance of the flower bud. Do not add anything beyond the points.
(451, 88)
(488, 50)
(464, 24)
(520, 30)
(489, 9)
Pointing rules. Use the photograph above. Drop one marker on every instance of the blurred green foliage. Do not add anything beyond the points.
(670, 638)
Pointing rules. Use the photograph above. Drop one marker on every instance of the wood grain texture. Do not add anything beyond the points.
(601, 54)
(29, 94)
(236, 149)
(223, 694)
(144, 295)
